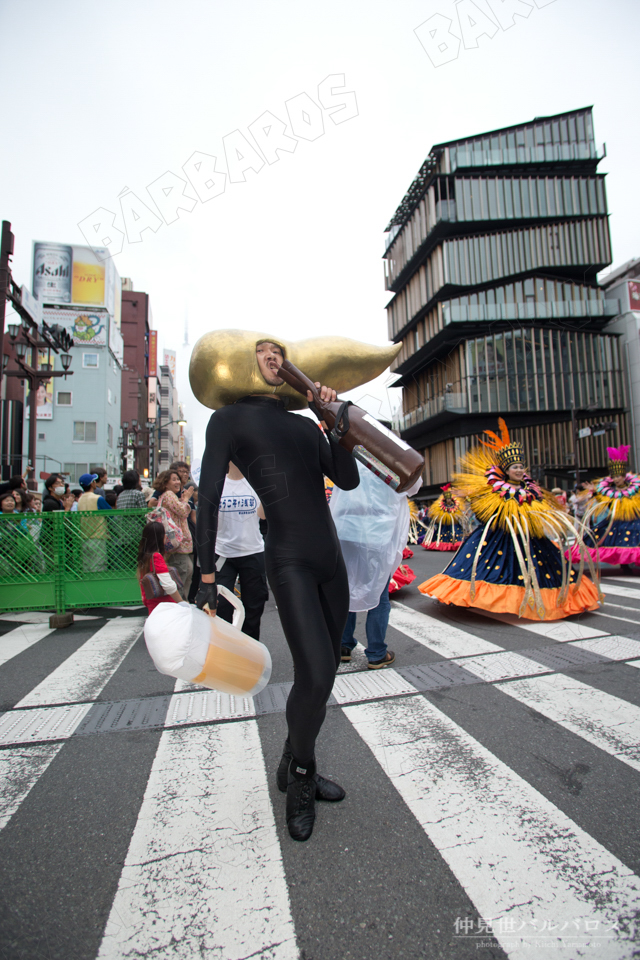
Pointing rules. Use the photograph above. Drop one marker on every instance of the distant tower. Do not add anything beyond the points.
(186, 329)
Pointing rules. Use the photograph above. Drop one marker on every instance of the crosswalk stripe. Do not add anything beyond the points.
(202, 705)
(619, 606)
(39, 616)
(443, 638)
(369, 685)
(559, 630)
(204, 873)
(610, 723)
(613, 590)
(82, 675)
(500, 666)
(615, 648)
(517, 855)
(20, 639)
(610, 616)
(20, 770)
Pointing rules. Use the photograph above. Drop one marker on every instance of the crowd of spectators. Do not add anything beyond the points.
(57, 494)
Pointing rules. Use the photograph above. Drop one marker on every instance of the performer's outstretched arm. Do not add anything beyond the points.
(338, 464)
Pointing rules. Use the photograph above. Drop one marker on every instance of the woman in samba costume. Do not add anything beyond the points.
(614, 513)
(447, 525)
(510, 563)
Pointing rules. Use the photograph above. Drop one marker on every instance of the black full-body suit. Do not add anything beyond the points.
(284, 457)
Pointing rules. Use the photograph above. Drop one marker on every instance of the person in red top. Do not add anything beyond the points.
(151, 559)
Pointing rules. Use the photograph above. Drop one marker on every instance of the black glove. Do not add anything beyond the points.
(207, 594)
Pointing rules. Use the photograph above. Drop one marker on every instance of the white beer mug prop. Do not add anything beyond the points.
(186, 643)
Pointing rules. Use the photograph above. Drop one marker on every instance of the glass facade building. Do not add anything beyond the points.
(491, 260)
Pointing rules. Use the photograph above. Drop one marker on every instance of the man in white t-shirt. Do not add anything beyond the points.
(240, 549)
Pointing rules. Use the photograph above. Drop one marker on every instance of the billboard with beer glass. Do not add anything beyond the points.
(73, 274)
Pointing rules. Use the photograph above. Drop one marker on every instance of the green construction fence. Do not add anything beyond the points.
(62, 561)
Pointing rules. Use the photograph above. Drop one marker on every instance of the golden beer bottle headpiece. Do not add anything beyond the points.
(224, 368)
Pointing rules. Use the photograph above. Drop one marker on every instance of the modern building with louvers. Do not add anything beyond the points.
(492, 259)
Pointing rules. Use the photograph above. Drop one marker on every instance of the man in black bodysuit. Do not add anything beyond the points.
(284, 457)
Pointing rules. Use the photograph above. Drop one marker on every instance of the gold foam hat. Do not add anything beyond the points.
(224, 367)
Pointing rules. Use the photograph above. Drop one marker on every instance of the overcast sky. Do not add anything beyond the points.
(101, 97)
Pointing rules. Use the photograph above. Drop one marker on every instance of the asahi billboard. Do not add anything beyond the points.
(72, 274)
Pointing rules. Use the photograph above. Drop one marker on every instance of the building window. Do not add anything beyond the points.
(109, 398)
(84, 431)
(75, 470)
(41, 436)
(109, 435)
(64, 398)
(90, 360)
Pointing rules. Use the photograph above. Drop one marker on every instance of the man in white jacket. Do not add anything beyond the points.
(373, 525)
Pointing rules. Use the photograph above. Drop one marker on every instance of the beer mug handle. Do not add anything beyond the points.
(236, 603)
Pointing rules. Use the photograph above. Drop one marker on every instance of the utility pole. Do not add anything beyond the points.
(37, 334)
(6, 251)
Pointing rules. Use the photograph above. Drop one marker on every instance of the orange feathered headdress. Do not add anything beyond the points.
(507, 453)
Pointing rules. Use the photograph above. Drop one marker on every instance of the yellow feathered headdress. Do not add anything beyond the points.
(507, 453)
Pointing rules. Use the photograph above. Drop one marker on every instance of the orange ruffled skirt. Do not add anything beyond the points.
(507, 598)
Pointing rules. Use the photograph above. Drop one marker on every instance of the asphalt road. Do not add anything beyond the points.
(492, 795)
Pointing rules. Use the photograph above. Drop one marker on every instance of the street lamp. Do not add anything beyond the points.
(66, 360)
(13, 330)
(21, 349)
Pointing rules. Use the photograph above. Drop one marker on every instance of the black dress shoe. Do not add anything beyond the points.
(325, 789)
(301, 800)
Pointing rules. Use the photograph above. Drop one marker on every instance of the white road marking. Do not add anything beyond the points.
(559, 630)
(624, 579)
(618, 606)
(204, 876)
(633, 663)
(611, 724)
(501, 666)
(516, 855)
(444, 638)
(615, 648)
(616, 591)
(202, 705)
(83, 675)
(21, 638)
(370, 685)
(38, 616)
(596, 613)
(41, 723)
(20, 770)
